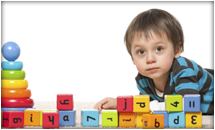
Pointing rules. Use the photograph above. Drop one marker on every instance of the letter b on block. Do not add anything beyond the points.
(65, 102)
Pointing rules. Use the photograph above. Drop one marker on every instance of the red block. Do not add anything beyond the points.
(65, 102)
(50, 120)
(125, 103)
(13, 119)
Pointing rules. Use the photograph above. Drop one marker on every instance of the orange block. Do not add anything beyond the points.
(139, 118)
(126, 119)
(32, 117)
(153, 121)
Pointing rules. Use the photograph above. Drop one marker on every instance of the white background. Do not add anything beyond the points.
(77, 47)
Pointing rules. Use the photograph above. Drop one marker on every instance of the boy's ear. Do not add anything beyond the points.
(178, 50)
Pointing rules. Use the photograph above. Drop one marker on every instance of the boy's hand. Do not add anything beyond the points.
(106, 103)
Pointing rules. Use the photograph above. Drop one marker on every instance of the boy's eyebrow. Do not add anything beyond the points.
(157, 42)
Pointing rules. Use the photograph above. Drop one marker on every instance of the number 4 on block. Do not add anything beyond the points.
(173, 103)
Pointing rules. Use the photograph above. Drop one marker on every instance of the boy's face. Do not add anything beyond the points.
(153, 58)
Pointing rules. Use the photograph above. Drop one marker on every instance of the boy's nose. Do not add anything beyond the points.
(150, 59)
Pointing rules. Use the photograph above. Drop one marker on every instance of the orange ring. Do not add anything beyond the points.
(15, 93)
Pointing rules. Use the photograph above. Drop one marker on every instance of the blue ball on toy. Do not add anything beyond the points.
(11, 51)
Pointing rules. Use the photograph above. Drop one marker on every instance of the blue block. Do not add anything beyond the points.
(166, 117)
(192, 103)
(67, 118)
(177, 119)
(90, 118)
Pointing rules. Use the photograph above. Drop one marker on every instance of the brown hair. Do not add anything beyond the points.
(157, 21)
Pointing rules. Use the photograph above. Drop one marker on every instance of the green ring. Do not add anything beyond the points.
(12, 74)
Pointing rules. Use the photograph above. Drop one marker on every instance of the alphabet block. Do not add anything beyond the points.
(50, 120)
(192, 103)
(13, 119)
(166, 117)
(153, 121)
(141, 103)
(90, 118)
(32, 117)
(64, 101)
(67, 118)
(177, 119)
(126, 119)
(139, 118)
(125, 103)
(193, 119)
(173, 103)
(41, 115)
(109, 118)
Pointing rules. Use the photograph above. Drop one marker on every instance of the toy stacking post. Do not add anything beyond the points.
(14, 93)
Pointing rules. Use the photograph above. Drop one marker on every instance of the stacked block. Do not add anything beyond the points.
(66, 114)
(14, 93)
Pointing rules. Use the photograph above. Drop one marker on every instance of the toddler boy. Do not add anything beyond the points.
(154, 40)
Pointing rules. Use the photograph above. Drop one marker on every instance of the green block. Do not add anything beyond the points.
(173, 103)
(41, 115)
(109, 118)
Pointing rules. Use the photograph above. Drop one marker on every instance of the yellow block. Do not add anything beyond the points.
(14, 84)
(139, 118)
(32, 117)
(193, 119)
(126, 119)
(141, 103)
(153, 121)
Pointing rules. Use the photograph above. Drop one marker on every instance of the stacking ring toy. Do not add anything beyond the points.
(15, 93)
(17, 103)
(14, 84)
(15, 109)
(12, 74)
(11, 65)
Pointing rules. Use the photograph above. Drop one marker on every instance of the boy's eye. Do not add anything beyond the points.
(140, 52)
(159, 48)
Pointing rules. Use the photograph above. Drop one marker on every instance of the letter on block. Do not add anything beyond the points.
(32, 117)
(67, 118)
(65, 102)
(192, 103)
(126, 119)
(41, 115)
(141, 103)
(125, 103)
(193, 119)
(177, 119)
(173, 103)
(166, 117)
(50, 120)
(13, 119)
(153, 121)
(109, 118)
(90, 118)
(139, 118)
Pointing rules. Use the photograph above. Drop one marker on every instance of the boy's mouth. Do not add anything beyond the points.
(152, 69)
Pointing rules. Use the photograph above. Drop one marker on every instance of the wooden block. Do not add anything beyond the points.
(141, 103)
(153, 121)
(125, 103)
(193, 119)
(109, 118)
(166, 117)
(126, 119)
(65, 101)
(41, 115)
(90, 118)
(139, 118)
(177, 119)
(13, 119)
(173, 103)
(192, 103)
(67, 118)
(32, 117)
(50, 120)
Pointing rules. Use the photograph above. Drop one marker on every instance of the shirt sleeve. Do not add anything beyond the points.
(185, 80)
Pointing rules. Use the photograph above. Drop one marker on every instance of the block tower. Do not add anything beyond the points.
(14, 93)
